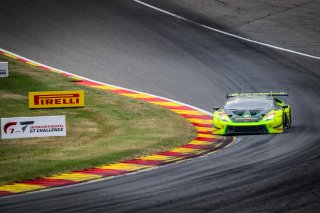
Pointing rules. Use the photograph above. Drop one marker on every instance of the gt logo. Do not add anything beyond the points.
(6, 127)
(26, 123)
(10, 126)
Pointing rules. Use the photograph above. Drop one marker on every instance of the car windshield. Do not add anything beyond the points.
(249, 103)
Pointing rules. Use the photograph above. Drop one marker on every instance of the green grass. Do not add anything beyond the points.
(110, 127)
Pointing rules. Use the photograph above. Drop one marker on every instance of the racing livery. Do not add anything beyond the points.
(259, 112)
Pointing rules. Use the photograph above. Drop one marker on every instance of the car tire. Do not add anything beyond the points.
(284, 121)
(290, 120)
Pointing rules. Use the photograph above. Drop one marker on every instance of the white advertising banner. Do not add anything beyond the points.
(4, 71)
(29, 127)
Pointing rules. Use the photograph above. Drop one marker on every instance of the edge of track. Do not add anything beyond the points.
(204, 143)
(224, 32)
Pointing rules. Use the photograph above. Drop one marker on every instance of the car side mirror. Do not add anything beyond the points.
(216, 108)
(284, 106)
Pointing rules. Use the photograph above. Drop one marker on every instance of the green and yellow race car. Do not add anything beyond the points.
(246, 113)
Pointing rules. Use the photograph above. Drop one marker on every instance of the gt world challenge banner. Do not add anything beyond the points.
(29, 127)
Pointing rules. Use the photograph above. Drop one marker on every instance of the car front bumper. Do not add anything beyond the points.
(262, 127)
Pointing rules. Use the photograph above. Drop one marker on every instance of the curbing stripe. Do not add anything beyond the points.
(201, 125)
(122, 91)
(136, 96)
(165, 103)
(206, 139)
(124, 166)
(88, 83)
(204, 132)
(161, 158)
(105, 87)
(197, 146)
(22, 60)
(77, 177)
(199, 121)
(48, 182)
(187, 112)
(177, 107)
(103, 172)
(31, 63)
(153, 100)
(145, 162)
(6, 193)
(11, 56)
(177, 154)
(200, 142)
(204, 129)
(186, 150)
(206, 135)
(45, 68)
(20, 187)
(204, 117)
(204, 142)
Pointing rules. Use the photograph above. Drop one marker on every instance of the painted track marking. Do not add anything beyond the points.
(225, 33)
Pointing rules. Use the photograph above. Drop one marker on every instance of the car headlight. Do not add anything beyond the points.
(268, 117)
(224, 117)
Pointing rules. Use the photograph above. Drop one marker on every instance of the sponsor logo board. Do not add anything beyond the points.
(29, 127)
(4, 71)
(56, 99)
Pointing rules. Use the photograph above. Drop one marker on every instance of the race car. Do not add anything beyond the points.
(245, 113)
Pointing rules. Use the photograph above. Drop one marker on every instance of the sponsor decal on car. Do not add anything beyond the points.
(56, 99)
(28, 127)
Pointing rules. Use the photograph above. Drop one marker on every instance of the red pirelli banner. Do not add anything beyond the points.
(56, 99)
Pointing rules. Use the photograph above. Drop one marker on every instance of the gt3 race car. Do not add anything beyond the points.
(259, 112)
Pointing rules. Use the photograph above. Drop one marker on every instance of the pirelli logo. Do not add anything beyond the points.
(56, 99)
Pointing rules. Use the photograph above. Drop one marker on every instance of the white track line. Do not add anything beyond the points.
(61, 71)
(226, 33)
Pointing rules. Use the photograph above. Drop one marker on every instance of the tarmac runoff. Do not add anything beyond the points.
(204, 143)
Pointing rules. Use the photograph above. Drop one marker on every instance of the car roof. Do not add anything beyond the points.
(247, 102)
(251, 97)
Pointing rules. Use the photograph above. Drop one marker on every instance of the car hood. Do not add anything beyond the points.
(246, 115)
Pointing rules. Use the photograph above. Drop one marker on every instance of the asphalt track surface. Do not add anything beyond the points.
(129, 45)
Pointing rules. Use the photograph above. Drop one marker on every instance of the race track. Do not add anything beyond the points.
(126, 44)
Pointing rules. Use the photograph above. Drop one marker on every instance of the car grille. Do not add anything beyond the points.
(246, 129)
(245, 120)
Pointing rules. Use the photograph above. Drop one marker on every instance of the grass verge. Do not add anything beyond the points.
(108, 129)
